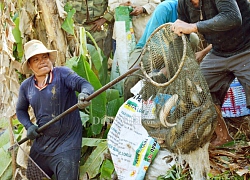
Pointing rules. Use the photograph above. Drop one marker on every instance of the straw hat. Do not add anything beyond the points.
(33, 48)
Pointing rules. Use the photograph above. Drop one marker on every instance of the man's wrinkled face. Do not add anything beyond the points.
(40, 64)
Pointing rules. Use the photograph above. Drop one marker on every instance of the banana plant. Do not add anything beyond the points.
(89, 61)
(5, 163)
(6, 171)
(91, 64)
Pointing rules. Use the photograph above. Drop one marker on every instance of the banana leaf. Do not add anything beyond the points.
(92, 141)
(112, 94)
(17, 35)
(100, 63)
(5, 162)
(107, 169)
(68, 24)
(113, 106)
(97, 108)
(93, 163)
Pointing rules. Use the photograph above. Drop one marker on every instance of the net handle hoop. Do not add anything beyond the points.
(184, 40)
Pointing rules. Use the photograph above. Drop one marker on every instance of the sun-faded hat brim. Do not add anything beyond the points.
(52, 57)
(33, 48)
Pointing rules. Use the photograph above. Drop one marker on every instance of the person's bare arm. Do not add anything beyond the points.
(201, 54)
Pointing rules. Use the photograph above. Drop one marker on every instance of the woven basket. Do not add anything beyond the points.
(235, 101)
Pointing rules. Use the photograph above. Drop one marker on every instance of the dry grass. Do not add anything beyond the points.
(234, 157)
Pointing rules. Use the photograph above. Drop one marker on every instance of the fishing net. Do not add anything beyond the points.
(34, 172)
(32, 169)
(184, 116)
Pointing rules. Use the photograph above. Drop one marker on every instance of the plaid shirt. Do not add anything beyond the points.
(224, 23)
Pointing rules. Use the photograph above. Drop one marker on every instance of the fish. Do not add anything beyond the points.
(170, 137)
(189, 84)
(182, 105)
(195, 99)
(199, 89)
(186, 121)
(192, 93)
(165, 110)
(192, 138)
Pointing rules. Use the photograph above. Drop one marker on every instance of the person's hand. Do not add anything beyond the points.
(82, 103)
(32, 132)
(180, 27)
(97, 24)
(199, 56)
(136, 10)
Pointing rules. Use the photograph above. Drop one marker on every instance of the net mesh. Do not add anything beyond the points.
(184, 115)
(34, 172)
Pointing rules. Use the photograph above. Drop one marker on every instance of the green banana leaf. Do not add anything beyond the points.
(93, 163)
(5, 165)
(96, 58)
(104, 73)
(100, 62)
(68, 24)
(106, 169)
(113, 106)
(17, 35)
(98, 105)
(4, 138)
(83, 42)
(92, 141)
(112, 94)
(3, 123)
(5, 162)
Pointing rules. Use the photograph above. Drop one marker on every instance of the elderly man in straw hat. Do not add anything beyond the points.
(51, 91)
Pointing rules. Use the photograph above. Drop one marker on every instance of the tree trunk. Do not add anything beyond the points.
(56, 37)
